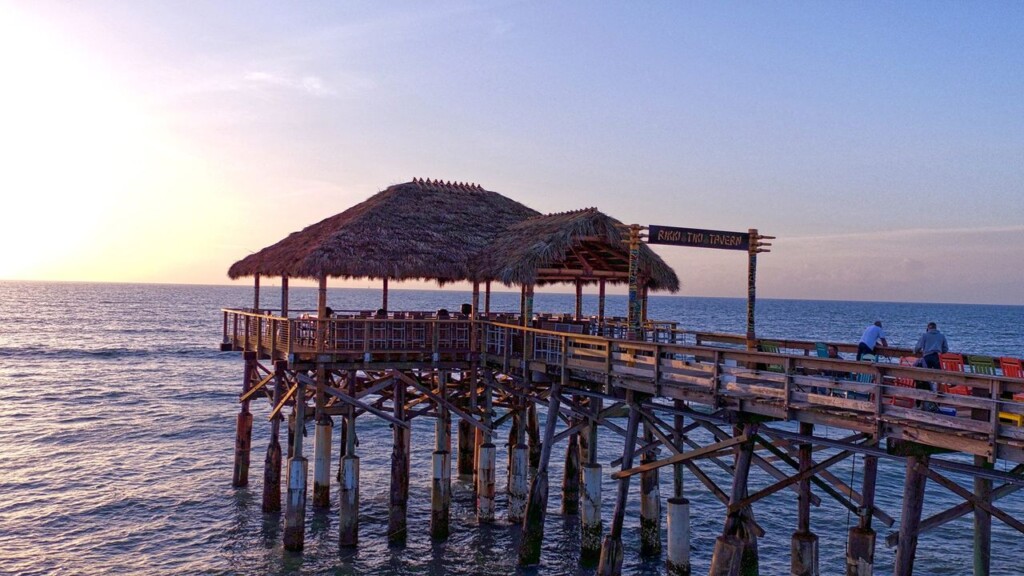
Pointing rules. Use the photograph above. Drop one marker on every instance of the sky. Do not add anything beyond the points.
(881, 143)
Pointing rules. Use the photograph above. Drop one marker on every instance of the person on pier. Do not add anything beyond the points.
(930, 345)
(872, 335)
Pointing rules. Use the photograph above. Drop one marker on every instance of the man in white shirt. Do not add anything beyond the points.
(871, 336)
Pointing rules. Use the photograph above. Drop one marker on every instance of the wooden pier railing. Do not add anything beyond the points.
(887, 399)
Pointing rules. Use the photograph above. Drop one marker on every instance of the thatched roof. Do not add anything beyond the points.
(449, 232)
(583, 244)
(417, 230)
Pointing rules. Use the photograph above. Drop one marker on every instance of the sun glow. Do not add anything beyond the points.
(94, 187)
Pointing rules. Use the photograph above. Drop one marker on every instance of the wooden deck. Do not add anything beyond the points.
(713, 372)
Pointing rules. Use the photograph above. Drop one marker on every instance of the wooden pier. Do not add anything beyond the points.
(493, 371)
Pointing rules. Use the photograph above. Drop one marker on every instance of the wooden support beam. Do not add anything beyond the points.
(799, 477)
(959, 510)
(442, 402)
(693, 454)
(362, 405)
(962, 492)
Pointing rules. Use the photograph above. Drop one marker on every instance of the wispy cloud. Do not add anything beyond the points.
(312, 85)
(910, 233)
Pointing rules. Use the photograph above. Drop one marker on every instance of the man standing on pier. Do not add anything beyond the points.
(872, 335)
(930, 345)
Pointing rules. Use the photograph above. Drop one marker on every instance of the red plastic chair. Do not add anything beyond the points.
(906, 383)
(953, 363)
(1011, 368)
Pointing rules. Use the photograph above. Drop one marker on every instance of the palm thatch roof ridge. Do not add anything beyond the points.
(581, 244)
(424, 229)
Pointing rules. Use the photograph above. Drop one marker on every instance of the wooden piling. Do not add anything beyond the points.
(537, 500)
(243, 426)
(860, 549)
(399, 493)
(650, 501)
(467, 440)
(678, 561)
(533, 436)
(571, 477)
(441, 485)
(590, 521)
(519, 483)
(910, 519)
(728, 556)
(272, 463)
(804, 543)
(440, 495)
(982, 521)
(348, 492)
(485, 483)
(486, 459)
(610, 562)
(322, 462)
(295, 505)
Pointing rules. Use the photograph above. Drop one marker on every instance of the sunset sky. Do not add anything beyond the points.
(882, 143)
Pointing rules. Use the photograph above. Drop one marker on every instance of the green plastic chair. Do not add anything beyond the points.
(982, 364)
(771, 348)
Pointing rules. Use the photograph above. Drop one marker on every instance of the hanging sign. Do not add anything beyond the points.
(698, 238)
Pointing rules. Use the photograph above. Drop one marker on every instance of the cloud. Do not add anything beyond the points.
(312, 85)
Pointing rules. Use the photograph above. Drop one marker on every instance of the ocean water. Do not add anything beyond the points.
(117, 422)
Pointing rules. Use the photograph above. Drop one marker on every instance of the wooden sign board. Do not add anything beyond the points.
(698, 238)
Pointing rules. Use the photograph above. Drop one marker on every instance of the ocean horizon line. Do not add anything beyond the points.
(391, 289)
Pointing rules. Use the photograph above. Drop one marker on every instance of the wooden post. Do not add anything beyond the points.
(243, 426)
(384, 296)
(578, 314)
(728, 556)
(486, 459)
(571, 477)
(982, 521)
(804, 543)
(466, 441)
(650, 501)
(590, 520)
(533, 435)
(643, 303)
(399, 494)
(272, 463)
(295, 507)
(487, 298)
(678, 561)
(611, 550)
(441, 487)
(518, 465)
(537, 500)
(910, 519)
(860, 551)
(284, 296)
(751, 288)
(323, 431)
(633, 319)
(348, 511)
(256, 293)
(600, 307)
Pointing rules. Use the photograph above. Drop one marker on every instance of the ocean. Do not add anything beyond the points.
(117, 416)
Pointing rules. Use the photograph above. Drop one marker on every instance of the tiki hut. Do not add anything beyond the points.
(448, 232)
(583, 245)
(417, 230)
